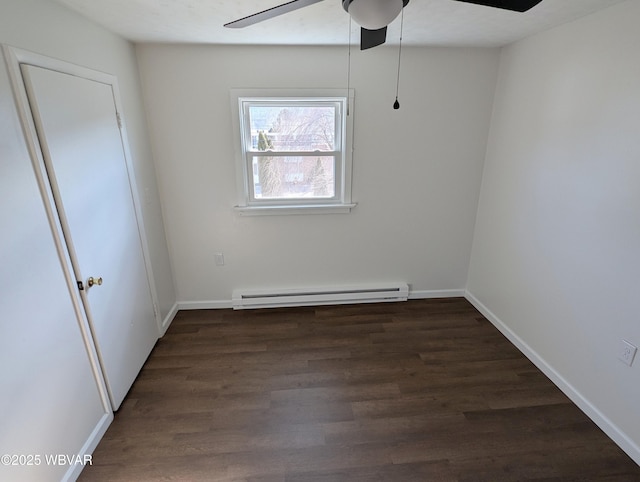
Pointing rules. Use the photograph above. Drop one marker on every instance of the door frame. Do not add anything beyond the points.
(14, 57)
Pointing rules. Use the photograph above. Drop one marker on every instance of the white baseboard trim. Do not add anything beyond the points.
(428, 294)
(205, 305)
(613, 431)
(90, 445)
(168, 319)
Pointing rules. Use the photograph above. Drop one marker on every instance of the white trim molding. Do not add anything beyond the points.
(301, 209)
(429, 294)
(166, 322)
(205, 305)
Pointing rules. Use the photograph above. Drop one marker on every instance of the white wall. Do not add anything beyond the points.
(416, 170)
(45, 27)
(556, 254)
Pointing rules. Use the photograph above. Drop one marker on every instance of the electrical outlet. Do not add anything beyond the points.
(219, 257)
(627, 352)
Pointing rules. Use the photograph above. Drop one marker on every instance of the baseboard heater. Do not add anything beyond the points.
(248, 299)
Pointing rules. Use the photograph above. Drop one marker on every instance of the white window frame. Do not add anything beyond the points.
(341, 202)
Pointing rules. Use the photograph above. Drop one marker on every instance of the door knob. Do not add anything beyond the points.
(94, 281)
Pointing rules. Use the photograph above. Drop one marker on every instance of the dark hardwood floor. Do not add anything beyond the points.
(426, 390)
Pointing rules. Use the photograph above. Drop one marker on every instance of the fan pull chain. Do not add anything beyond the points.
(396, 104)
(349, 67)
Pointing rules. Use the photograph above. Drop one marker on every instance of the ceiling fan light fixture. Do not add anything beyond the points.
(373, 14)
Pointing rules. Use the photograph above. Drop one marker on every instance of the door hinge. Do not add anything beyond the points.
(119, 119)
(80, 285)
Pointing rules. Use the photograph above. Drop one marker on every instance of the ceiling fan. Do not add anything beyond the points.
(373, 16)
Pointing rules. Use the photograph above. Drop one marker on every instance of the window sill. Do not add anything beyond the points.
(299, 209)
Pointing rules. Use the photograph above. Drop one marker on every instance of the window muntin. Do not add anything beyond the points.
(294, 151)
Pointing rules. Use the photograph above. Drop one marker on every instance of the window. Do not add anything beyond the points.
(292, 151)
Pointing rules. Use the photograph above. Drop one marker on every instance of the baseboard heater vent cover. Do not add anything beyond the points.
(248, 299)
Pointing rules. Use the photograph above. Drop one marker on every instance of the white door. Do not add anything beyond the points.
(82, 145)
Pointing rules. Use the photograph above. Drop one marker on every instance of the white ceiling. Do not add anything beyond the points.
(426, 22)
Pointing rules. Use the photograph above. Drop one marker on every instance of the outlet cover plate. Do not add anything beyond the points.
(627, 352)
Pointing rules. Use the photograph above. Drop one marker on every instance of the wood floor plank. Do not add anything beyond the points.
(425, 390)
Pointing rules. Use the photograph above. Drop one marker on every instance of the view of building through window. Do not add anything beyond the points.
(293, 150)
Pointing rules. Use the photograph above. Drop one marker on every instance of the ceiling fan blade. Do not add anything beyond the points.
(372, 38)
(515, 5)
(270, 13)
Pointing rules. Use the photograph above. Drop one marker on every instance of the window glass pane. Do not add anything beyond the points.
(285, 177)
(292, 128)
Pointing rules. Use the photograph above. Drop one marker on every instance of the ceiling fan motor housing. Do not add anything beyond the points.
(373, 14)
